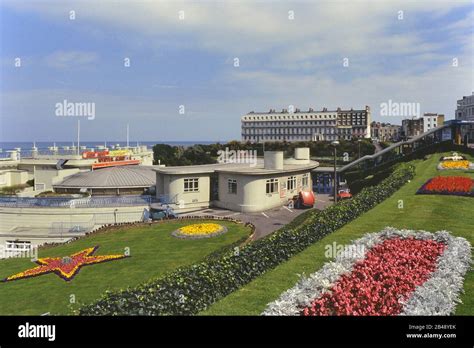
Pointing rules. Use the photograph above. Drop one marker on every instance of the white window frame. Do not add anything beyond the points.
(231, 185)
(305, 180)
(193, 185)
(271, 186)
(291, 183)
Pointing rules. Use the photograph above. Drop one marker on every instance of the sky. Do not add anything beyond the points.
(182, 82)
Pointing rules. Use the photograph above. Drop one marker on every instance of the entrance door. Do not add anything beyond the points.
(214, 187)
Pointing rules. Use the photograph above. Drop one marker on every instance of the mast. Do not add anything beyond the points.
(78, 135)
(127, 136)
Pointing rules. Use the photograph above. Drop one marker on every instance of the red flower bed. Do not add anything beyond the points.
(390, 272)
(458, 185)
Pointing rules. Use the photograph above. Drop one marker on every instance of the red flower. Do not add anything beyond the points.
(448, 184)
(390, 271)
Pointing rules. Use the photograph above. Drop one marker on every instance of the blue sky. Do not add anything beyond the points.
(190, 62)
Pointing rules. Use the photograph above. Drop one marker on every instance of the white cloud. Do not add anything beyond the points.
(282, 62)
(70, 59)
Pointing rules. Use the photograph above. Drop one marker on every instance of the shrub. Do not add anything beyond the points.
(191, 289)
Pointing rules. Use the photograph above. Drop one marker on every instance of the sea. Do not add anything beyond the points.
(43, 146)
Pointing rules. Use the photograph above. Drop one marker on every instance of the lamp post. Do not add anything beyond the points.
(359, 141)
(335, 143)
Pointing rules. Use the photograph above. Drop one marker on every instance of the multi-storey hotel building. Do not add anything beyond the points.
(465, 112)
(306, 125)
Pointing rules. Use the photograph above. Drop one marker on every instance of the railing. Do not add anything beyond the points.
(380, 154)
(167, 199)
(64, 228)
(67, 202)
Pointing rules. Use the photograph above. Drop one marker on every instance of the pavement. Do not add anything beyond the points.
(268, 221)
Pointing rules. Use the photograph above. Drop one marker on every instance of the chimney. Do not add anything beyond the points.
(302, 153)
(273, 160)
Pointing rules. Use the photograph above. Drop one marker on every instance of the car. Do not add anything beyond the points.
(344, 194)
(164, 212)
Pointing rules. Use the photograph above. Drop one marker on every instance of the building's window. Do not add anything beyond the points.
(232, 186)
(291, 183)
(305, 180)
(191, 185)
(272, 186)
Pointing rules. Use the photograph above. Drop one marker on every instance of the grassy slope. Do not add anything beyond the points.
(154, 252)
(431, 213)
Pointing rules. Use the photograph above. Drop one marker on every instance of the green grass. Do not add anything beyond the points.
(153, 253)
(426, 212)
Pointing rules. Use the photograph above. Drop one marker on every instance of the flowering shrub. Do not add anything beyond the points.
(454, 165)
(199, 230)
(403, 272)
(449, 185)
(189, 290)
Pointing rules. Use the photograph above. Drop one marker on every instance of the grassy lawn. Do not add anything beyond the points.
(153, 252)
(428, 212)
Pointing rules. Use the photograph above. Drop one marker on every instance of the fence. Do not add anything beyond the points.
(110, 218)
(63, 228)
(85, 202)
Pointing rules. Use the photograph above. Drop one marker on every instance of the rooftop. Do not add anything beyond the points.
(112, 177)
(310, 111)
(289, 165)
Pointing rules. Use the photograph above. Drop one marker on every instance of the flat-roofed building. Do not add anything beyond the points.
(385, 131)
(431, 121)
(240, 187)
(465, 112)
(308, 125)
(412, 127)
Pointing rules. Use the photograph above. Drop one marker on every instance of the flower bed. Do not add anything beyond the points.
(453, 157)
(393, 272)
(65, 267)
(448, 185)
(459, 165)
(195, 231)
(191, 289)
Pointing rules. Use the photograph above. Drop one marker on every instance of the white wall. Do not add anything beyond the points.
(172, 185)
(13, 177)
(251, 191)
(50, 176)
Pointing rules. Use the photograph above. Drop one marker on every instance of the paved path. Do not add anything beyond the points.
(268, 221)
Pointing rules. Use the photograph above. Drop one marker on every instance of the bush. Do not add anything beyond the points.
(189, 290)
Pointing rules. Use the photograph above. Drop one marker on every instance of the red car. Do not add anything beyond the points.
(344, 194)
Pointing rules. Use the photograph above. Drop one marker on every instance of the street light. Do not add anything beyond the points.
(335, 143)
(359, 141)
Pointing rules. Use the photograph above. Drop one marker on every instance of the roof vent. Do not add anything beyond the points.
(273, 160)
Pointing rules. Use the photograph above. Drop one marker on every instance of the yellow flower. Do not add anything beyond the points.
(200, 229)
(455, 164)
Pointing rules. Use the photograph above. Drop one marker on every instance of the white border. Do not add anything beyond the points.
(437, 296)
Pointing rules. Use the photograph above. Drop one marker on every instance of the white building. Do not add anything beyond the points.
(236, 186)
(306, 125)
(465, 112)
(432, 120)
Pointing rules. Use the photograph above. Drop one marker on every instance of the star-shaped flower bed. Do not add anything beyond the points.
(65, 267)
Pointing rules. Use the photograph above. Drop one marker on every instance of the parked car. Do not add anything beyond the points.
(164, 212)
(344, 194)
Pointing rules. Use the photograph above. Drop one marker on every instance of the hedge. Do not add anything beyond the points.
(191, 289)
